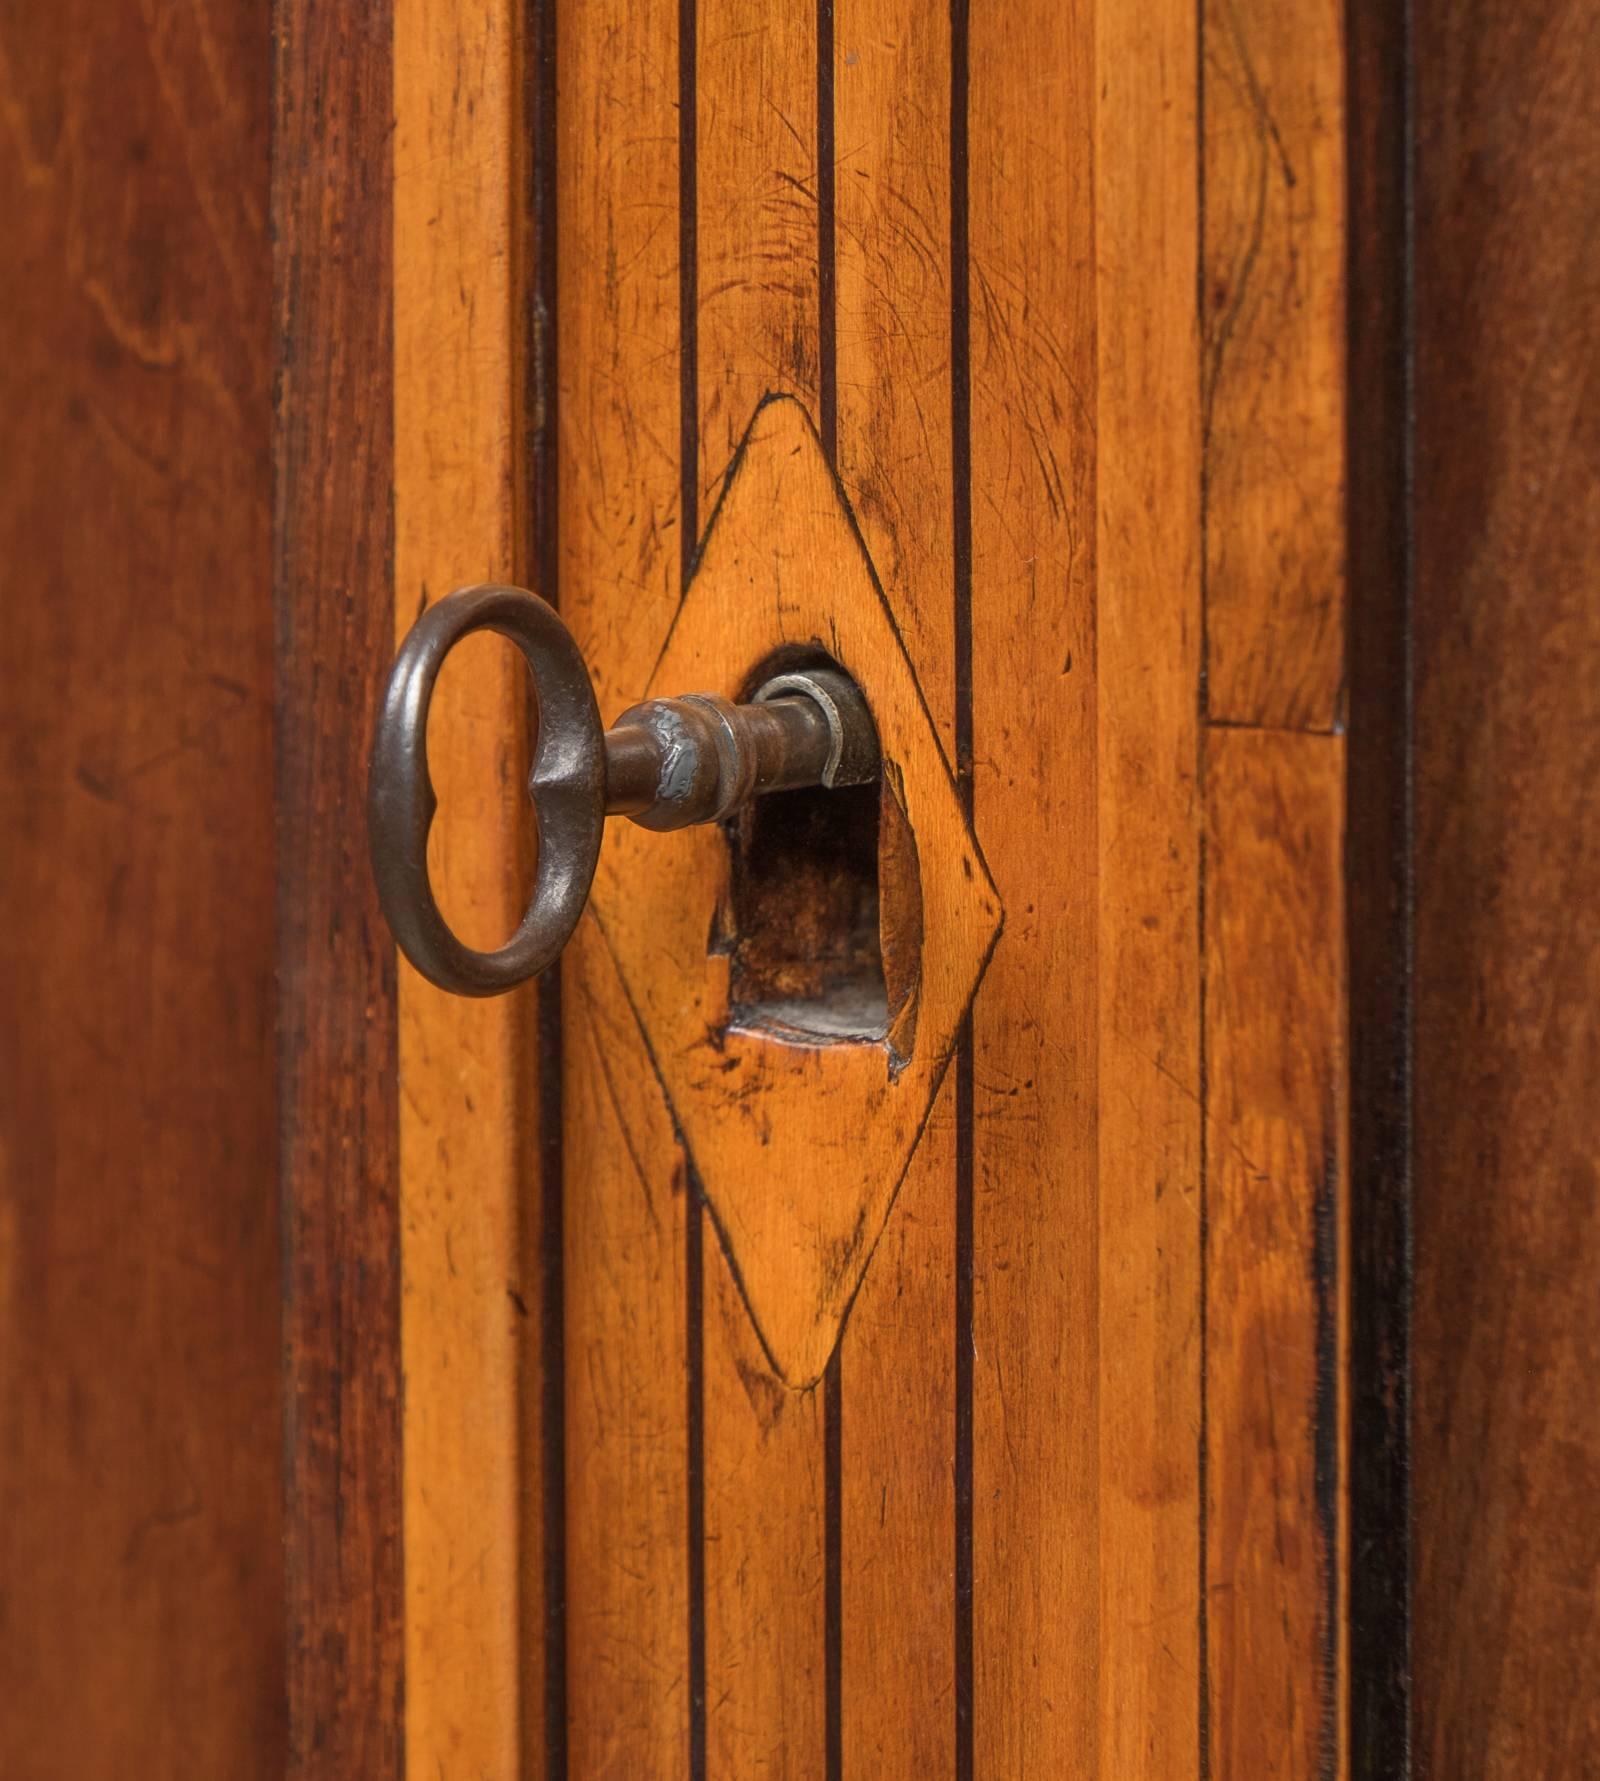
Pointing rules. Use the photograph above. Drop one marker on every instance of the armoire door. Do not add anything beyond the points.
(882, 1304)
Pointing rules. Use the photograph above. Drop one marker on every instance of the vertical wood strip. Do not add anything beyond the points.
(1378, 878)
(758, 326)
(627, 1448)
(1149, 542)
(627, 1199)
(142, 1627)
(469, 1308)
(336, 1021)
(1507, 616)
(1275, 1114)
(1036, 1352)
(1273, 388)
(536, 470)
(892, 82)
(1273, 296)
(758, 331)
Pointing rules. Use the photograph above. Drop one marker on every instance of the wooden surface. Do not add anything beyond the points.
(1277, 1469)
(634, 1648)
(758, 329)
(1063, 298)
(1507, 625)
(1025, 616)
(1147, 1094)
(1053, 1464)
(337, 1075)
(471, 1323)
(1274, 376)
(1276, 1189)
(892, 1394)
(141, 1571)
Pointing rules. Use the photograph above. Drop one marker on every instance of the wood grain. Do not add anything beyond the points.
(1378, 895)
(630, 1666)
(1031, 292)
(756, 229)
(799, 1134)
(1147, 497)
(141, 1562)
(332, 574)
(1507, 627)
(1273, 259)
(757, 328)
(1275, 1190)
(896, 1375)
(470, 1309)
(1274, 428)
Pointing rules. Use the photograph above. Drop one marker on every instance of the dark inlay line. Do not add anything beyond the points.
(833, 1380)
(694, 1208)
(694, 1371)
(1325, 1444)
(963, 1359)
(1380, 892)
(827, 315)
(961, 526)
(552, 1385)
(833, 1542)
(688, 295)
(540, 551)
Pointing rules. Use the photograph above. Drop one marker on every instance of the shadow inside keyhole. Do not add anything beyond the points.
(822, 920)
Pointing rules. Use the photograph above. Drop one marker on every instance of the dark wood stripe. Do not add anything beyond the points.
(544, 1616)
(833, 1381)
(1379, 882)
(688, 291)
(550, 1614)
(961, 495)
(689, 530)
(1326, 1471)
(694, 1374)
(963, 1371)
(827, 304)
(832, 1564)
(332, 572)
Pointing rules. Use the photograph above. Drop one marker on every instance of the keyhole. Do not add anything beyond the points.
(823, 917)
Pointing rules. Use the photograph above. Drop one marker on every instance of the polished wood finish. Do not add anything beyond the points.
(758, 330)
(1000, 1510)
(1275, 375)
(634, 1655)
(1083, 1446)
(1275, 934)
(470, 1315)
(1507, 629)
(1147, 1093)
(891, 1402)
(1026, 615)
(337, 1053)
(141, 1570)
(1276, 1184)
(1092, 312)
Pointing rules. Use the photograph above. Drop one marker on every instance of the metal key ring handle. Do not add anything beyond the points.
(566, 784)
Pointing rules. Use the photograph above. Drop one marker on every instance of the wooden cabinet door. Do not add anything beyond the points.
(974, 1394)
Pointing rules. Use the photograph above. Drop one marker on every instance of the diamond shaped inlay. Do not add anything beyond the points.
(800, 1144)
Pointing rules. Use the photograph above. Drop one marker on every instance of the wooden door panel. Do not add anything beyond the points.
(1044, 1507)
(1174, 417)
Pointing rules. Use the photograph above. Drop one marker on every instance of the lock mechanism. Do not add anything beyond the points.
(665, 764)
